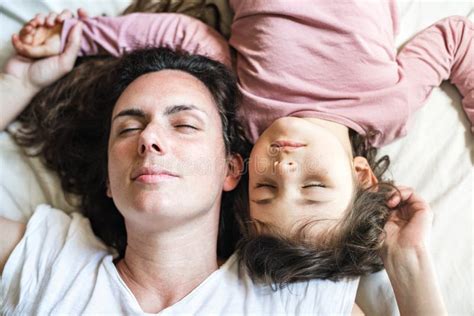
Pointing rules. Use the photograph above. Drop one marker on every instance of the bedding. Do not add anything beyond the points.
(436, 158)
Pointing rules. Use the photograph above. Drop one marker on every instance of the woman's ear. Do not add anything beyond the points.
(235, 168)
(109, 192)
(365, 175)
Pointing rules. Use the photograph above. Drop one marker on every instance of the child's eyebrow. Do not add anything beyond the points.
(302, 202)
(310, 202)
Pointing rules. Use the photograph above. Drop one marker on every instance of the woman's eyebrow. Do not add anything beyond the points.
(130, 112)
(173, 109)
(170, 110)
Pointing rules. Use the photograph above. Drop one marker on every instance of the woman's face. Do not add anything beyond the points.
(301, 169)
(166, 154)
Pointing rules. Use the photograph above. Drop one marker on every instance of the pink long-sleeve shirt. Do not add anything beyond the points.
(334, 60)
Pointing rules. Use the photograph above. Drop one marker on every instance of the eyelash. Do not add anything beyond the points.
(265, 185)
(312, 185)
(126, 130)
(186, 126)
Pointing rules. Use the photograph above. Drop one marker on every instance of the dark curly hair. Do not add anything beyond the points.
(350, 249)
(68, 125)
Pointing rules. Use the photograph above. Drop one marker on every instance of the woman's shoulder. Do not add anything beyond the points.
(56, 251)
(53, 237)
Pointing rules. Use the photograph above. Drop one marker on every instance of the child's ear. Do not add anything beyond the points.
(365, 175)
(235, 168)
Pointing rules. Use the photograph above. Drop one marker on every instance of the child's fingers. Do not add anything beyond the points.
(32, 23)
(65, 14)
(82, 13)
(73, 44)
(51, 19)
(74, 39)
(25, 31)
(28, 28)
(402, 193)
(410, 198)
(412, 202)
(406, 193)
(39, 19)
(38, 51)
(15, 41)
(393, 200)
(18, 45)
(416, 203)
(26, 35)
(30, 51)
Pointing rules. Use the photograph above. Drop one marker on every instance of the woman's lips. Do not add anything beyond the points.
(154, 178)
(152, 175)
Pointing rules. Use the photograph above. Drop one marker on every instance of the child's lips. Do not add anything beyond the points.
(287, 144)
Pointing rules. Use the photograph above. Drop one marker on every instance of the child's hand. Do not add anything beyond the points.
(406, 256)
(409, 225)
(37, 74)
(41, 36)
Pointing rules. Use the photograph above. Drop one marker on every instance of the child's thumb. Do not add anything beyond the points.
(73, 44)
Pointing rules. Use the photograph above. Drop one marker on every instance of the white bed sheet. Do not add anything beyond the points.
(436, 158)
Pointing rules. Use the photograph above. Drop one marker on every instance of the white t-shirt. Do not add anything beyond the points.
(61, 267)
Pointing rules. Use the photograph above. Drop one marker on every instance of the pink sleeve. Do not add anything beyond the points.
(117, 35)
(443, 51)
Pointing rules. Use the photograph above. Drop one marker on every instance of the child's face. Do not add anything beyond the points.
(301, 169)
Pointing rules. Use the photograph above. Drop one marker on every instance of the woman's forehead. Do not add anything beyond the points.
(161, 89)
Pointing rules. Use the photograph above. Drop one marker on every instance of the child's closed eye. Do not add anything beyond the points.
(265, 185)
(314, 185)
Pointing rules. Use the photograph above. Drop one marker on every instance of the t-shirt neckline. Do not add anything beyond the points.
(112, 270)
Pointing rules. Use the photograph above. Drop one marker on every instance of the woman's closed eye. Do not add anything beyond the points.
(129, 130)
(188, 127)
(186, 124)
(265, 185)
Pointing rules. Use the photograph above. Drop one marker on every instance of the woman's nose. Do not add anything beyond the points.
(152, 141)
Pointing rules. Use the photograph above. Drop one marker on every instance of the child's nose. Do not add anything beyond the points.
(286, 167)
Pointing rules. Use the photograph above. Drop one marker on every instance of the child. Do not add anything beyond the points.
(319, 92)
